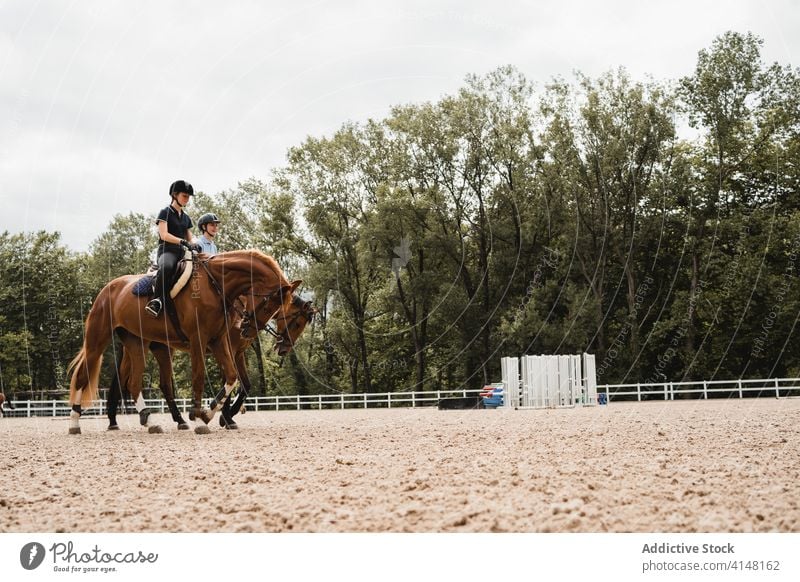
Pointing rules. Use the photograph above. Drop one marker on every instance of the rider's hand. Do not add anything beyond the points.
(195, 247)
(185, 243)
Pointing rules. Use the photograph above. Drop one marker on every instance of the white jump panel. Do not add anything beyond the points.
(511, 386)
(590, 380)
(551, 381)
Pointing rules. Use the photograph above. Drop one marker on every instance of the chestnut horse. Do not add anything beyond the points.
(242, 333)
(204, 310)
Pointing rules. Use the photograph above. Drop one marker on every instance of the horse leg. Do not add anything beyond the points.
(115, 391)
(197, 351)
(230, 409)
(222, 353)
(135, 352)
(163, 356)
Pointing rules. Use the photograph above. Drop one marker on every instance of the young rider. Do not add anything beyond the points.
(209, 226)
(174, 233)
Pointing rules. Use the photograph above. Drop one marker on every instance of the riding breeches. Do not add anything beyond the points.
(167, 263)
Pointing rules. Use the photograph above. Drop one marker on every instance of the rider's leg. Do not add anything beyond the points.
(167, 263)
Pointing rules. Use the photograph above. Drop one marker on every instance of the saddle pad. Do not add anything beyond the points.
(144, 286)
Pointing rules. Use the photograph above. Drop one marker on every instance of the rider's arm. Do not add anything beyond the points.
(164, 235)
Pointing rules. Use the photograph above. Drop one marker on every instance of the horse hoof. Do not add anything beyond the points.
(183, 426)
(75, 430)
(206, 416)
(155, 430)
(113, 427)
(202, 429)
(232, 426)
(191, 415)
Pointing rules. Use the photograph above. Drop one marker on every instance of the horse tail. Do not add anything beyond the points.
(87, 375)
(85, 367)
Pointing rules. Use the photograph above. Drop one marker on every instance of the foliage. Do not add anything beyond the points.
(499, 220)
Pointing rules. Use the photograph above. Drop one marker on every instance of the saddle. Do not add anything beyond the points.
(144, 286)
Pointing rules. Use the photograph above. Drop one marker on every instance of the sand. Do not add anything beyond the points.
(689, 466)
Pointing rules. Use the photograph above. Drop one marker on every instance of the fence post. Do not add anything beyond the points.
(319, 402)
(740, 389)
(341, 400)
(298, 402)
(777, 392)
(705, 390)
(29, 408)
(365, 399)
(390, 400)
(414, 399)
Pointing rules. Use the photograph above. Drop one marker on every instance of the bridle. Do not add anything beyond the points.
(247, 316)
(289, 320)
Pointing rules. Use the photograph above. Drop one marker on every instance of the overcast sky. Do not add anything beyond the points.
(103, 104)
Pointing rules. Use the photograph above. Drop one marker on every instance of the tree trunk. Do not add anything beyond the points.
(633, 317)
(362, 346)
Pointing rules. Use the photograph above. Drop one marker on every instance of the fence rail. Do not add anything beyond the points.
(775, 387)
(28, 408)
(740, 388)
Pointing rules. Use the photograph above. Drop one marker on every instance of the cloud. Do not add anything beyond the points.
(119, 99)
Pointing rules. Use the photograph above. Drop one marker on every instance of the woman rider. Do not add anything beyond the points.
(174, 233)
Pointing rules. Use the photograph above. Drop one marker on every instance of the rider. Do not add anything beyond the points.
(209, 226)
(174, 233)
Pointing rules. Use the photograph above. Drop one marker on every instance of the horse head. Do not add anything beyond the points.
(259, 309)
(290, 323)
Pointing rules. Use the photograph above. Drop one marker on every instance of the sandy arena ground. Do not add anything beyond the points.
(691, 466)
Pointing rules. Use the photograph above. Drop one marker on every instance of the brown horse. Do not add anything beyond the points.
(242, 333)
(204, 310)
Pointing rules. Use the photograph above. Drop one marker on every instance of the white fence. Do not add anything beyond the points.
(740, 388)
(29, 408)
(774, 387)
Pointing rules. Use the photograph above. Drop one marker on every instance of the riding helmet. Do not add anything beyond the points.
(179, 186)
(206, 219)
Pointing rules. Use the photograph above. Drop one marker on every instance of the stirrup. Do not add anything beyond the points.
(154, 307)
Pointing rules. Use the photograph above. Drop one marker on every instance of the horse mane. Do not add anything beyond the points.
(255, 255)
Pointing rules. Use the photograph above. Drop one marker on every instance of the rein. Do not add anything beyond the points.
(304, 313)
(247, 317)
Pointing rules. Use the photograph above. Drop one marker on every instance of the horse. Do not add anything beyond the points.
(241, 335)
(202, 310)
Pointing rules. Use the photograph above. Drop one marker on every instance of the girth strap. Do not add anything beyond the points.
(173, 315)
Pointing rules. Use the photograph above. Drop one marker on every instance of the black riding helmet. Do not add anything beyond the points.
(180, 186)
(207, 219)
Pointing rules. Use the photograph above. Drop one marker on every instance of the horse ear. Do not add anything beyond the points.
(296, 283)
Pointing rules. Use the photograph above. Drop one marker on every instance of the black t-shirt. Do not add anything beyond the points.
(177, 225)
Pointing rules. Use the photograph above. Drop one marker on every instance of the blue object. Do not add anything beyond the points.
(602, 398)
(494, 398)
(144, 286)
